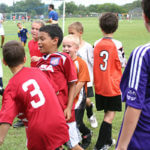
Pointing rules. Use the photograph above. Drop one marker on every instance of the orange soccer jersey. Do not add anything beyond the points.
(83, 76)
(107, 67)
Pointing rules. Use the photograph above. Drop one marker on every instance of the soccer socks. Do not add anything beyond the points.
(89, 110)
(104, 137)
(1, 87)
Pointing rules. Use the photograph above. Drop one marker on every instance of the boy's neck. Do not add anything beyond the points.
(14, 70)
(74, 57)
(108, 35)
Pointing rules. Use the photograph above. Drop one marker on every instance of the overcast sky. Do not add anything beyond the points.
(83, 2)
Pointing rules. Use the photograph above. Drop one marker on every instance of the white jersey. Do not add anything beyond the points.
(1, 26)
(86, 53)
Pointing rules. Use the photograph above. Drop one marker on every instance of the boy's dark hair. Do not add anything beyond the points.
(51, 6)
(13, 53)
(53, 31)
(108, 22)
(146, 8)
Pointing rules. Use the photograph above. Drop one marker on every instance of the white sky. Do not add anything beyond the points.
(83, 2)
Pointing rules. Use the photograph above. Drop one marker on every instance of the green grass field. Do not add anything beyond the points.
(131, 34)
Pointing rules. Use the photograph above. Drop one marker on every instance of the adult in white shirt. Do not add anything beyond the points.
(2, 30)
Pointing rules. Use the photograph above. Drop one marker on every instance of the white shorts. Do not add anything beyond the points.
(74, 135)
(1, 30)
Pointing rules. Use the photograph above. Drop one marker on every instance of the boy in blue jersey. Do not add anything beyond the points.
(135, 87)
(23, 34)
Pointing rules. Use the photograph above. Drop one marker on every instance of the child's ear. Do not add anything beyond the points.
(56, 40)
(25, 58)
(4, 62)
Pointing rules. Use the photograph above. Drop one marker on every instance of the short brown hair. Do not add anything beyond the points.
(108, 22)
(146, 8)
(13, 53)
(76, 26)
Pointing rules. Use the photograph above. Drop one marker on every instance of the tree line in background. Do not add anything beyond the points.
(36, 7)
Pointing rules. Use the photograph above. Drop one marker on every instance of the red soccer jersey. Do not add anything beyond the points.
(34, 51)
(30, 93)
(60, 68)
(107, 68)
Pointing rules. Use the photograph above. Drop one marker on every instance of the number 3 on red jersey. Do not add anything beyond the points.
(104, 54)
(36, 91)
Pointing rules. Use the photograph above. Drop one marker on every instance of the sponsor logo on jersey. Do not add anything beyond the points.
(54, 61)
(46, 68)
(131, 95)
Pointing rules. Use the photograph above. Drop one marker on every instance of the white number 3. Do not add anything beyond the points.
(104, 67)
(36, 91)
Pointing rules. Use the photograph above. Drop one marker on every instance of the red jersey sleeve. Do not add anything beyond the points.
(9, 109)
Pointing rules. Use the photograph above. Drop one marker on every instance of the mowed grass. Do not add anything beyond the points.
(130, 33)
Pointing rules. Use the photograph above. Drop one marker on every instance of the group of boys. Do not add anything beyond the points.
(65, 89)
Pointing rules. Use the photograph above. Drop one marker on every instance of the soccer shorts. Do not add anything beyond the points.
(90, 92)
(2, 30)
(108, 103)
(74, 135)
(24, 41)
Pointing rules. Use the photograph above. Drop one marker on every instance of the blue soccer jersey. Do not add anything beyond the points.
(53, 15)
(135, 88)
(22, 33)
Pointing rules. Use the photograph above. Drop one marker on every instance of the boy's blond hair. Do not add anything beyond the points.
(76, 26)
(73, 38)
(40, 22)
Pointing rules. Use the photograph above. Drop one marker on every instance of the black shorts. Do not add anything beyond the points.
(90, 92)
(108, 103)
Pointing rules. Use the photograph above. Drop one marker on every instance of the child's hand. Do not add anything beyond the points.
(67, 113)
(35, 58)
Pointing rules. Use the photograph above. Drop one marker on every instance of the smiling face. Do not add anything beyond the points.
(70, 47)
(46, 44)
(35, 30)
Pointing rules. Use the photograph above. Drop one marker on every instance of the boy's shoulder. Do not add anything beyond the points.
(116, 42)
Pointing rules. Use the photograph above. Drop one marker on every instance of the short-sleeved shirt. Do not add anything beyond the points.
(1, 26)
(83, 76)
(34, 51)
(107, 67)
(86, 53)
(135, 88)
(53, 15)
(30, 95)
(22, 33)
(60, 68)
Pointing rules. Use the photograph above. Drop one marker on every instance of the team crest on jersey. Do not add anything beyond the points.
(54, 61)
(131, 95)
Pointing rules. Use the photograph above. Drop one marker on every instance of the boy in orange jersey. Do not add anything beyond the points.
(108, 60)
(71, 45)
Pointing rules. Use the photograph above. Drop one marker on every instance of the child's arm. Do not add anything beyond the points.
(78, 88)
(3, 131)
(130, 121)
(67, 111)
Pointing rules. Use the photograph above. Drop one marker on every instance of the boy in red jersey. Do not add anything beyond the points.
(60, 68)
(35, 53)
(71, 45)
(30, 94)
(108, 60)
